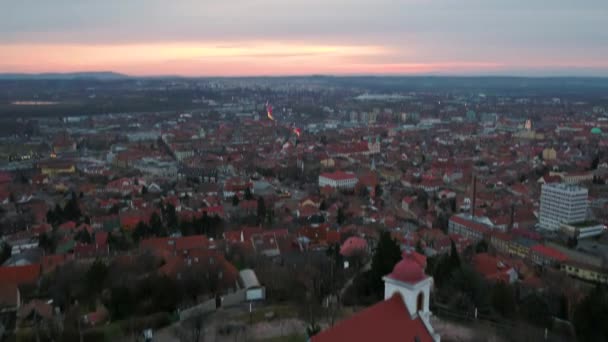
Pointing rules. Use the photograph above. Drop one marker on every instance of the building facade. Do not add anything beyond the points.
(562, 203)
(468, 227)
(338, 180)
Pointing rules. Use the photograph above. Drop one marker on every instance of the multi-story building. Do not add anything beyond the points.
(338, 180)
(562, 203)
(469, 227)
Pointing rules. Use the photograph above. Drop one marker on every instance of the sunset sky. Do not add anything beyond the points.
(296, 37)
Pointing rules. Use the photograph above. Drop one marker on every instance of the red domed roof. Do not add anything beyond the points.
(353, 245)
(408, 270)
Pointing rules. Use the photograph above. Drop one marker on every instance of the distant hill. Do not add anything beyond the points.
(101, 75)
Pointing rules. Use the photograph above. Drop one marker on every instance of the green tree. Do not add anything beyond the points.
(71, 211)
(95, 277)
(595, 162)
(47, 242)
(378, 190)
(156, 225)
(83, 236)
(121, 303)
(340, 217)
(5, 252)
(454, 256)
(170, 216)
(386, 256)
(261, 209)
(115, 209)
(503, 299)
(591, 315)
(333, 252)
(270, 216)
(419, 248)
(363, 191)
(142, 230)
(481, 247)
(534, 309)
(248, 194)
(323, 205)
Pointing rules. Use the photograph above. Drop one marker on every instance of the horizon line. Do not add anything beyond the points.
(412, 75)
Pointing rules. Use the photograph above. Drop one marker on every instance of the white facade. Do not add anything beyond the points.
(562, 203)
(416, 297)
(410, 294)
(337, 182)
(155, 167)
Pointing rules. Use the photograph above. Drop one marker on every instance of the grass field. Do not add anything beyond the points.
(259, 315)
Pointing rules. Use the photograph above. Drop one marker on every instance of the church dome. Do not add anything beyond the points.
(408, 270)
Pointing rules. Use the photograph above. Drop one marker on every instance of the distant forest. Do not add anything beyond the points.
(91, 94)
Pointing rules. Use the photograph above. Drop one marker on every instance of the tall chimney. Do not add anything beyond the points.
(474, 196)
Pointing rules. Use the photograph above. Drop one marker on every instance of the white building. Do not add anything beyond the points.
(403, 315)
(156, 167)
(338, 180)
(562, 203)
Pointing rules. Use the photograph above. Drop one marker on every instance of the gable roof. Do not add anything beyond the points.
(386, 321)
(549, 252)
(27, 274)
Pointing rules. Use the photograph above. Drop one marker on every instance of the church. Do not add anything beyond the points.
(403, 315)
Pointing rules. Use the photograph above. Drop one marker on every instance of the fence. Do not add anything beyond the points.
(208, 306)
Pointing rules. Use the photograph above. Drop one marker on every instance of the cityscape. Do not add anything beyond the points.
(303, 183)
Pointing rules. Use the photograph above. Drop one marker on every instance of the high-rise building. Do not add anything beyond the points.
(562, 203)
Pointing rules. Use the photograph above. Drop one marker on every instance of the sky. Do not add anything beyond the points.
(302, 37)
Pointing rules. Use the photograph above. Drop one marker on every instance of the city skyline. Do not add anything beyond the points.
(252, 38)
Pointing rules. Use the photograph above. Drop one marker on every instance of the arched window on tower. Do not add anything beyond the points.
(420, 302)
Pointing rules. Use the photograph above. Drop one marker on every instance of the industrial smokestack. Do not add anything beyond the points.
(474, 196)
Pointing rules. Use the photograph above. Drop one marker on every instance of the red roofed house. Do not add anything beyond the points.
(402, 316)
(10, 297)
(19, 275)
(171, 246)
(338, 180)
(545, 255)
(5, 177)
(494, 269)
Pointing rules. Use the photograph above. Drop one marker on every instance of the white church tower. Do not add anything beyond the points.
(413, 285)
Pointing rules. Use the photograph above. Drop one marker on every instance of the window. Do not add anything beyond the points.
(420, 302)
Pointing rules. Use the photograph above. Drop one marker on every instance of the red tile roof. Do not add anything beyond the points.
(387, 321)
(492, 268)
(27, 274)
(549, 252)
(160, 245)
(101, 238)
(479, 227)
(9, 295)
(408, 199)
(70, 225)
